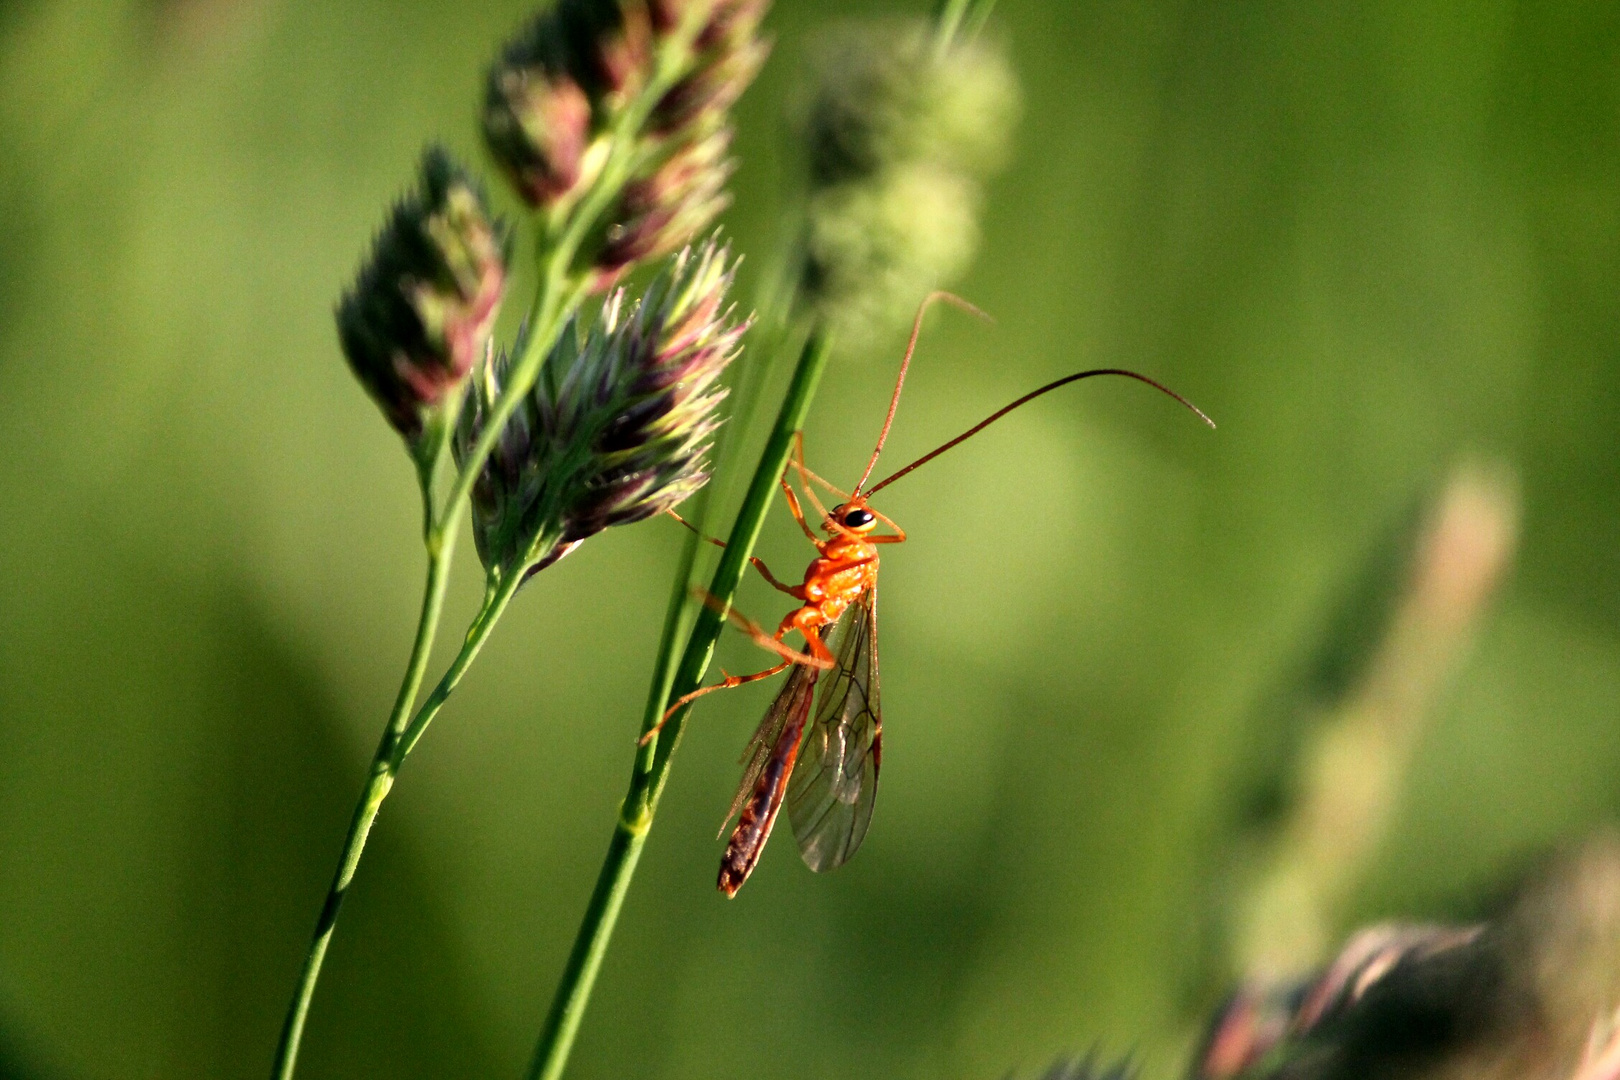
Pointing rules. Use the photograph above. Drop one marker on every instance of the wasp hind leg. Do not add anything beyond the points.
(728, 683)
(818, 657)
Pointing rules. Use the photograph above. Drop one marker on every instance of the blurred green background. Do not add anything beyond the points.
(1369, 239)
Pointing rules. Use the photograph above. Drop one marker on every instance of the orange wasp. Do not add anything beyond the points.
(828, 774)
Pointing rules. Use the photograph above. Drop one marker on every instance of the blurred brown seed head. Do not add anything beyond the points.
(421, 309)
(1601, 1061)
(1343, 777)
(1531, 995)
(559, 86)
(664, 208)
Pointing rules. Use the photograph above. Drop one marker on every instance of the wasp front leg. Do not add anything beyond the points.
(754, 560)
(898, 537)
(798, 514)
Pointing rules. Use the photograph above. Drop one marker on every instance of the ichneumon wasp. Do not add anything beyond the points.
(824, 763)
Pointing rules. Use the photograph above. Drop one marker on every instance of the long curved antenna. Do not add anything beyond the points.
(911, 347)
(805, 475)
(1025, 400)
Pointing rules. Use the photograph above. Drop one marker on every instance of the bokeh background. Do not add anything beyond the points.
(1372, 240)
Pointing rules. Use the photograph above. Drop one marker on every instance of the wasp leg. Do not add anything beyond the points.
(899, 536)
(798, 513)
(754, 560)
(818, 657)
(769, 642)
(804, 470)
(728, 683)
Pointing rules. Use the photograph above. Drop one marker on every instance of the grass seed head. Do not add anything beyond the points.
(420, 311)
(619, 424)
(536, 117)
(663, 209)
(899, 137)
(553, 96)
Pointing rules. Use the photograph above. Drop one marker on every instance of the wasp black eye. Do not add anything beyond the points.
(858, 518)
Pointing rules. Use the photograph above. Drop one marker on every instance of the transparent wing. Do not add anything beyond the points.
(792, 701)
(770, 769)
(832, 791)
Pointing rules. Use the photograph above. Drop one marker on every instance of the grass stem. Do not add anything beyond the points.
(379, 778)
(651, 769)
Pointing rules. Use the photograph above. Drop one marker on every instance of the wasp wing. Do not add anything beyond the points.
(832, 791)
(770, 758)
(792, 701)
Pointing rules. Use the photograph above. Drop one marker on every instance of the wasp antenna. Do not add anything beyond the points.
(956, 302)
(1025, 400)
(905, 364)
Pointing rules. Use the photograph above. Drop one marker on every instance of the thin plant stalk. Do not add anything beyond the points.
(403, 731)
(954, 19)
(395, 747)
(651, 769)
(495, 601)
(959, 18)
(560, 294)
(380, 777)
(734, 560)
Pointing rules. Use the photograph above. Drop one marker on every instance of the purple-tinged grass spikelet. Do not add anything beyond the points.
(420, 311)
(619, 424)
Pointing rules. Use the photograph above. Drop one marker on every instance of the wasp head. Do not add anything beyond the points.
(852, 516)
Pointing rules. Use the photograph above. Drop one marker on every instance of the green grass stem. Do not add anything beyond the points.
(651, 770)
(561, 293)
(379, 778)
